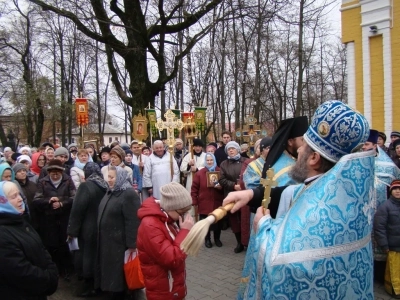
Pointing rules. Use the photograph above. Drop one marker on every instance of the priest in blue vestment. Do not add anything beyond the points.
(321, 247)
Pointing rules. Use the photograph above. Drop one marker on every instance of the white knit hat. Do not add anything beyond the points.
(25, 148)
(174, 196)
(22, 158)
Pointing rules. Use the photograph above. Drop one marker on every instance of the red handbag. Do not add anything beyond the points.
(133, 272)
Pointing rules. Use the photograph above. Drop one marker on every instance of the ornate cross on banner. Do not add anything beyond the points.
(268, 183)
(250, 132)
(170, 124)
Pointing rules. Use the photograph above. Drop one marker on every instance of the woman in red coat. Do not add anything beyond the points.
(158, 242)
(208, 198)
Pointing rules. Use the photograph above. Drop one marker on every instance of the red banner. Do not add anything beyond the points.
(82, 111)
(187, 117)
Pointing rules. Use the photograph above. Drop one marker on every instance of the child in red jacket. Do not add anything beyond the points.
(158, 242)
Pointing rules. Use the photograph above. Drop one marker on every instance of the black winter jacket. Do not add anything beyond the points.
(53, 223)
(230, 173)
(26, 269)
(220, 155)
(387, 225)
(83, 225)
(117, 224)
(29, 189)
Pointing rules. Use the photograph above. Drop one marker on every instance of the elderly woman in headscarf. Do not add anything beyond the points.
(49, 152)
(83, 224)
(7, 174)
(230, 181)
(117, 223)
(27, 271)
(207, 197)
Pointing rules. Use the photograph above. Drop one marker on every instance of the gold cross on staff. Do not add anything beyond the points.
(268, 183)
(170, 124)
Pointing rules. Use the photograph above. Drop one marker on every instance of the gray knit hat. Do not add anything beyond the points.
(174, 196)
(395, 133)
(18, 167)
(61, 151)
(232, 144)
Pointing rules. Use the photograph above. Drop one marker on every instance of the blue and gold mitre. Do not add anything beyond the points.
(336, 130)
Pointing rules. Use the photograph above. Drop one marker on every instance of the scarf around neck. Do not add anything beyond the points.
(79, 164)
(56, 183)
(236, 157)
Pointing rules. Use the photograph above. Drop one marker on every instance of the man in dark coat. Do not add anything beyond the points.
(220, 154)
(53, 202)
(83, 224)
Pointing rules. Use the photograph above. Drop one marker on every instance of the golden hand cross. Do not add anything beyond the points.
(268, 183)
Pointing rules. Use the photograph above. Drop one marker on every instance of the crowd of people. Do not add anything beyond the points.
(71, 194)
(145, 200)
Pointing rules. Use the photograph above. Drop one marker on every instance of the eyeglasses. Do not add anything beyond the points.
(41, 159)
(182, 214)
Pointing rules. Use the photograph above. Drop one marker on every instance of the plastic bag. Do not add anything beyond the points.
(133, 272)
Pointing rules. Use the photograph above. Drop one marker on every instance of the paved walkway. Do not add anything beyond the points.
(213, 274)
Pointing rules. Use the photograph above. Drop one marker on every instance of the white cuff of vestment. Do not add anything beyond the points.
(262, 220)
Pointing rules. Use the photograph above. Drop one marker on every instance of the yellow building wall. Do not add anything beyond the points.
(377, 83)
(395, 39)
(351, 20)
